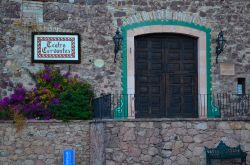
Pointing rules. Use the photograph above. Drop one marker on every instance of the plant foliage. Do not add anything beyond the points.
(56, 96)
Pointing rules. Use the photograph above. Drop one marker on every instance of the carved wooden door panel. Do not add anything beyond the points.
(149, 83)
(165, 76)
(181, 76)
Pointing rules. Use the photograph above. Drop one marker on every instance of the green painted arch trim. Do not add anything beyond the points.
(123, 112)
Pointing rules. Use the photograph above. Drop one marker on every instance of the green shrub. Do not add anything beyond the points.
(75, 103)
(5, 114)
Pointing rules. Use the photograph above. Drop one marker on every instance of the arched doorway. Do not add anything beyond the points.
(130, 33)
(166, 75)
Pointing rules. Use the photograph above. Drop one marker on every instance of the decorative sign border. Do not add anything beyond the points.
(70, 40)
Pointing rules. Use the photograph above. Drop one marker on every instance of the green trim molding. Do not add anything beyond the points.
(122, 112)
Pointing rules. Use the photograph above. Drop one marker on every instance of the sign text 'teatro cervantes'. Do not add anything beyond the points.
(49, 47)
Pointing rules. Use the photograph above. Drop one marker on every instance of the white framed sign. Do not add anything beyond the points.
(54, 47)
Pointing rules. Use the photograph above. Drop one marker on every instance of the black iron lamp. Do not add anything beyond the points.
(220, 45)
(117, 41)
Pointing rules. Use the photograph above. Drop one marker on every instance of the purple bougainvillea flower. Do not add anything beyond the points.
(47, 69)
(57, 85)
(18, 95)
(32, 107)
(55, 101)
(46, 77)
(26, 108)
(19, 90)
(4, 102)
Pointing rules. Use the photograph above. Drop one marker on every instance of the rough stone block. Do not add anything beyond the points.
(201, 126)
(11, 9)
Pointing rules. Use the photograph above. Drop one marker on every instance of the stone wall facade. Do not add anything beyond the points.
(96, 22)
(170, 142)
(41, 143)
(132, 142)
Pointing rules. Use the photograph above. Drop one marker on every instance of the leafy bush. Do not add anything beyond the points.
(56, 96)
(75, 103)
(5, 114)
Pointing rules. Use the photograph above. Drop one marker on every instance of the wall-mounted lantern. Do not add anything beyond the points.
(220, 45)
(117, 41)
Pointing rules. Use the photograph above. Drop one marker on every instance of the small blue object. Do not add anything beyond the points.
(68, 157)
